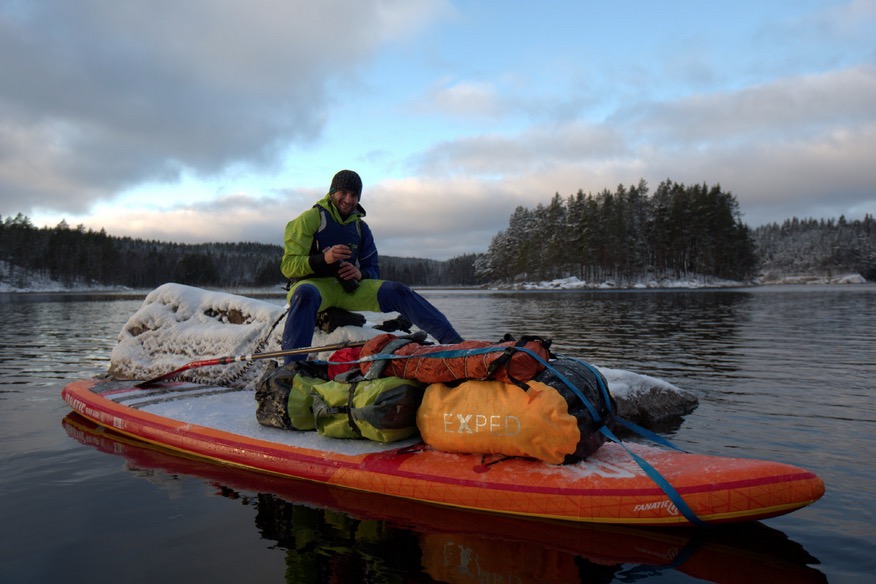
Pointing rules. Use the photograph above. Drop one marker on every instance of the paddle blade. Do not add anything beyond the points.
(175, 372)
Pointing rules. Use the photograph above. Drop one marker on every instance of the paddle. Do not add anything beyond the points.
(252, 357)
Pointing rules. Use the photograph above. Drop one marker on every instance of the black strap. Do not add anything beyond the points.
(502, 360)
(350, 393)
(321, 409)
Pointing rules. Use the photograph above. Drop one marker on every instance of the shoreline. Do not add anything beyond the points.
(560, 284)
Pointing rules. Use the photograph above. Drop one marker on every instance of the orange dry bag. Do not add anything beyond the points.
(504, 361)
(546, 419)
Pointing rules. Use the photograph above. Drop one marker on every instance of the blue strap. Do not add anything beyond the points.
(659, 480)
(643, 432)
(444, 354)
(652, 473)
(590, 408)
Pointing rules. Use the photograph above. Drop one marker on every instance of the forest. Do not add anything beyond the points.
(77, 257)
(680, 233)
(823, 247)
(622, 237)
(625, 236)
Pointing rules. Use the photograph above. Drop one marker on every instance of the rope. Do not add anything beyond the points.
(228, 379)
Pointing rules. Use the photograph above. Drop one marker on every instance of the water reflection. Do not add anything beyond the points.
(669, 331)
(50, 338)
(332, 534)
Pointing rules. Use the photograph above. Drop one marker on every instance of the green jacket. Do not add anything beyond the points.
(320, 227)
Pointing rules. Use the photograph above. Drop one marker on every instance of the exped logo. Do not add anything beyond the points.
(481, 423)
(667, 504)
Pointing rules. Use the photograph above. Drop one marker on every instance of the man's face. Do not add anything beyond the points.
(345, 202)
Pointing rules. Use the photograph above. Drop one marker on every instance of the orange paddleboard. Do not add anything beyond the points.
(460, 545)
(219, 424)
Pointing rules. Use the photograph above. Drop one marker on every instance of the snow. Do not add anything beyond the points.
(39, 282)
(223, 411)
(574, 283)
(627, 384)
(812, 279)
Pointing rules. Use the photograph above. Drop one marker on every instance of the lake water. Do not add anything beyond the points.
(784, 373)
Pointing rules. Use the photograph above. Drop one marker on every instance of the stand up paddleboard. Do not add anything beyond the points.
(454, 541)
(610, 487)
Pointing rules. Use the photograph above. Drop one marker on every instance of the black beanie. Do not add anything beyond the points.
(347, 180)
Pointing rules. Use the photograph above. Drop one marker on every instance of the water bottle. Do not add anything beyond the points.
(348, 285)
(352, 284)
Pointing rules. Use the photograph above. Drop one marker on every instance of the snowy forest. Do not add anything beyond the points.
(79, 257)
(619, 238)
(817, 247)
(680, 233)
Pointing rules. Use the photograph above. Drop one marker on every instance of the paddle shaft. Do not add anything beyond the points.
(252, 357)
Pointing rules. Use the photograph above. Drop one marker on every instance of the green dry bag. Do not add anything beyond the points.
(297, 396)
(382, 409)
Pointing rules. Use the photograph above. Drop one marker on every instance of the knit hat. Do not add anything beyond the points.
(347, 180)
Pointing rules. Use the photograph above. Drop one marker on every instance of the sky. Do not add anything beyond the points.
(221, 120)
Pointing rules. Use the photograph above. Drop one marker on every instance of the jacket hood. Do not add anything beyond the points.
(327, 204)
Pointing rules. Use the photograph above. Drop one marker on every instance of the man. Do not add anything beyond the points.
(330, 252)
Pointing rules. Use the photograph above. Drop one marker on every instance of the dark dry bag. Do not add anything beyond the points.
(284, 397)
(592, 385)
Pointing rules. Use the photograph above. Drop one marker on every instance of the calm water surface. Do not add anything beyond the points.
(781, 373)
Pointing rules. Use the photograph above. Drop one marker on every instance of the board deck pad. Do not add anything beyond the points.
(219, 424)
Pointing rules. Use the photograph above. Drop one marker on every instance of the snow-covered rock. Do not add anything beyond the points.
(178, 325)
(645, 400)
(851, 279)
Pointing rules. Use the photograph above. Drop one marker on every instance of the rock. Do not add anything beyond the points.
(648, 401)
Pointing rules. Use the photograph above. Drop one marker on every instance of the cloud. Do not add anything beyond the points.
(515, 155)
(784, 109)
(798, 146)
(422, 217)
(101, 96)
(794, 142)
(464, 98)
(101, 101)
(848, 18)
(233, 218)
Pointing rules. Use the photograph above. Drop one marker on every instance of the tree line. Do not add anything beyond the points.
(623, 236)
(76, 256)
(823, 247)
